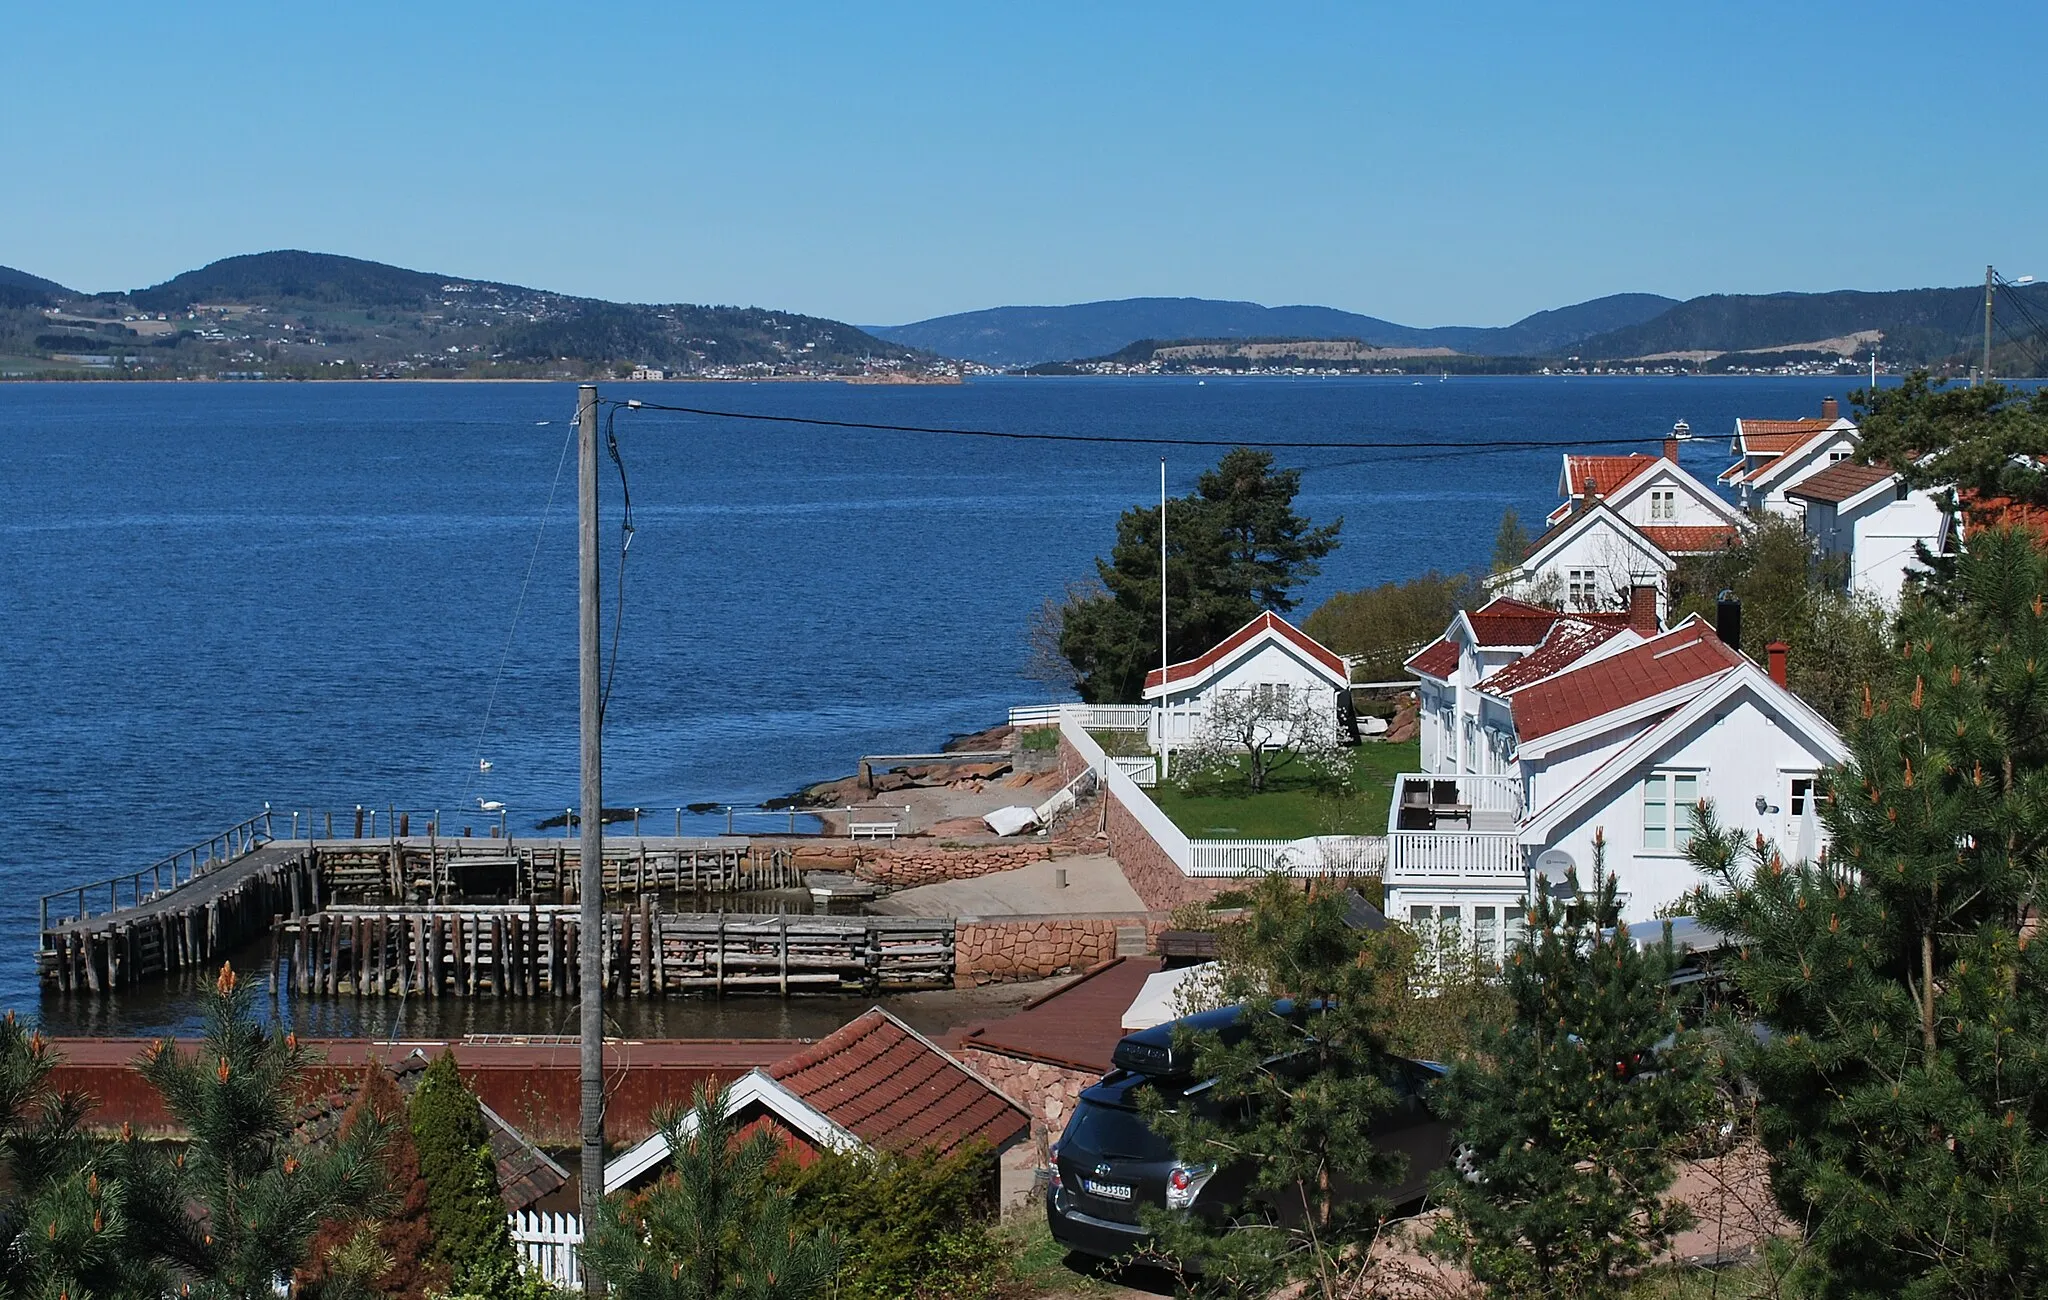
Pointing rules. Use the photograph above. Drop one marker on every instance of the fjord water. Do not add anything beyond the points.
(218, 595)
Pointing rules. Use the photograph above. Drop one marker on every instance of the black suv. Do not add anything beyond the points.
(1108, 1163)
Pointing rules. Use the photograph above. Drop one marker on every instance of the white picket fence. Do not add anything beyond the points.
(547, 1245)
(1097, 717)
(1144, 769)
(1318, 855)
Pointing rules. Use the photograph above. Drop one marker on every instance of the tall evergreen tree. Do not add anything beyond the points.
(1296, 1096)
(471, 1238)
(716, 1227)
(402, 1238)
(1904, 1091)
(1574, 1112)
(1987, 441)
(63, 1218)
(1235, 546)
(235, 1210)
(1511, 543)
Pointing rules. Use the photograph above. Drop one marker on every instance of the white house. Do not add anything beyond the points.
(1266, 654)
(1623, 520)
(1542, 730)
(1775, 456)
(1865, 517)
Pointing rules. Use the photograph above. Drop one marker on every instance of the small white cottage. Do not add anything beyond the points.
(1266, 654)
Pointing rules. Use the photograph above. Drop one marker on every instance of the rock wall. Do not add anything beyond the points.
(1159, 882)
(1034, 947)
(1047, 1092)
(903, 863)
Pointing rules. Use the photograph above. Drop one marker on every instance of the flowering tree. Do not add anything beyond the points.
(1256, 733)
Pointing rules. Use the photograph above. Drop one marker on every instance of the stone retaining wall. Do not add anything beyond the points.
(1160, 884)
(1036, 947)
(903, 863)
(1048, 1092)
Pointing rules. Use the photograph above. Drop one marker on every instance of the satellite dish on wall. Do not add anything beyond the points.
(1556, 864)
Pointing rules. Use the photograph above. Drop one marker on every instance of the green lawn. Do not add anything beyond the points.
(1287, 809)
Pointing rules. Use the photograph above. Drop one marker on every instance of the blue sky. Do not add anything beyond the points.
(879, 163)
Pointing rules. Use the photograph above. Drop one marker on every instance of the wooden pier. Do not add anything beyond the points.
(532, 951)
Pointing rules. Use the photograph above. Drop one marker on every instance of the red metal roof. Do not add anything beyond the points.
(1267, 621)
(882, 1082)
(1690, 539)
(1688, 653)
(1439, 659)
(1776, 437)
(1604, 473)
(1840, 481)
(1076, 1025)
(1505, 621)
(1569, 641)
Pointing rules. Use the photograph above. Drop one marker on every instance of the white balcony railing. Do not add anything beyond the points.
(1319, 855)
(1096, 717)
(1426, 801)
(1450, 857)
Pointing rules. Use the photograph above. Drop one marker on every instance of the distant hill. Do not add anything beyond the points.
(1919, 325)
(1024, 336)
(315, 315)
(20, 289)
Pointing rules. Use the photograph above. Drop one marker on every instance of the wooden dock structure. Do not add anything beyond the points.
(198, 906)
(532, 951)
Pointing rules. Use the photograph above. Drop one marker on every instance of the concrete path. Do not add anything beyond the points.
(1094, 884)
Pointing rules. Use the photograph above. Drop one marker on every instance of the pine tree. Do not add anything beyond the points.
(403, 1238)
(63, 1218)
(471, 1238)
(1296, 1096)
(1511, 543)
(236, 1209)
(1573, 1114)
(1904, 1090)
(717, 1227)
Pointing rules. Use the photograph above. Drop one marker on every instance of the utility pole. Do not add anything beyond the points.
(1984, 375)
(1162, 617)
(590, 875)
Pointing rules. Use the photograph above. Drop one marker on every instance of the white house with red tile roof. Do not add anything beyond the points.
(1590, 729)
(1266, 654)
(1623, 520)
(1867, 520)
(1775, 456)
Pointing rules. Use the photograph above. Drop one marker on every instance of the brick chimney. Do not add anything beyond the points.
(1642, 605)
(1775, 653)
(1830, 409)
(1679, 433)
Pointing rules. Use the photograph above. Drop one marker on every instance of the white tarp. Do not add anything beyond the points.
(1169, 995)
(1010, 820)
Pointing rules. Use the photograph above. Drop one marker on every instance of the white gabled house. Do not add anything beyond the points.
(1776, 456)
(1623, 520)
(1541, 730)
(1866, 518)
(1266, 654)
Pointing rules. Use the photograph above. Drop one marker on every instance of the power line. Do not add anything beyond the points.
(1501, 444)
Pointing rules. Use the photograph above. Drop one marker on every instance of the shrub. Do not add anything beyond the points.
(909, 1225)
(470, 1234)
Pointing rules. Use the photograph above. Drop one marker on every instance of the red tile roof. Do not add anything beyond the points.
(1605, 473)
(1508, 622)
(1688, 653)
(1776, 437)
(1076, 1025)
(1439, 660)
(882, 1082)
(1267, 621)
(1690, 539)
(1570, 640)
(1840, 481)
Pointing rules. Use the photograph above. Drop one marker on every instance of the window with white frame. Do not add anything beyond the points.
(1802, 796)
(1582, 587)
(1664, 504)
(1668, 798)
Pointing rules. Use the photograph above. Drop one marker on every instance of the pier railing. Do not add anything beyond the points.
(80, 902)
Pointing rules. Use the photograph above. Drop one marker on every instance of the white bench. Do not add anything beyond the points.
(870, 830)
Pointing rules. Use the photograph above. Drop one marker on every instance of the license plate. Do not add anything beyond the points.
(1107, 1191)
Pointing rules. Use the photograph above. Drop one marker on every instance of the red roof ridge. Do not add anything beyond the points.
(1684, 655)
(1266, 620)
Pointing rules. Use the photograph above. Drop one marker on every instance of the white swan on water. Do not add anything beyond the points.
(491, 805)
